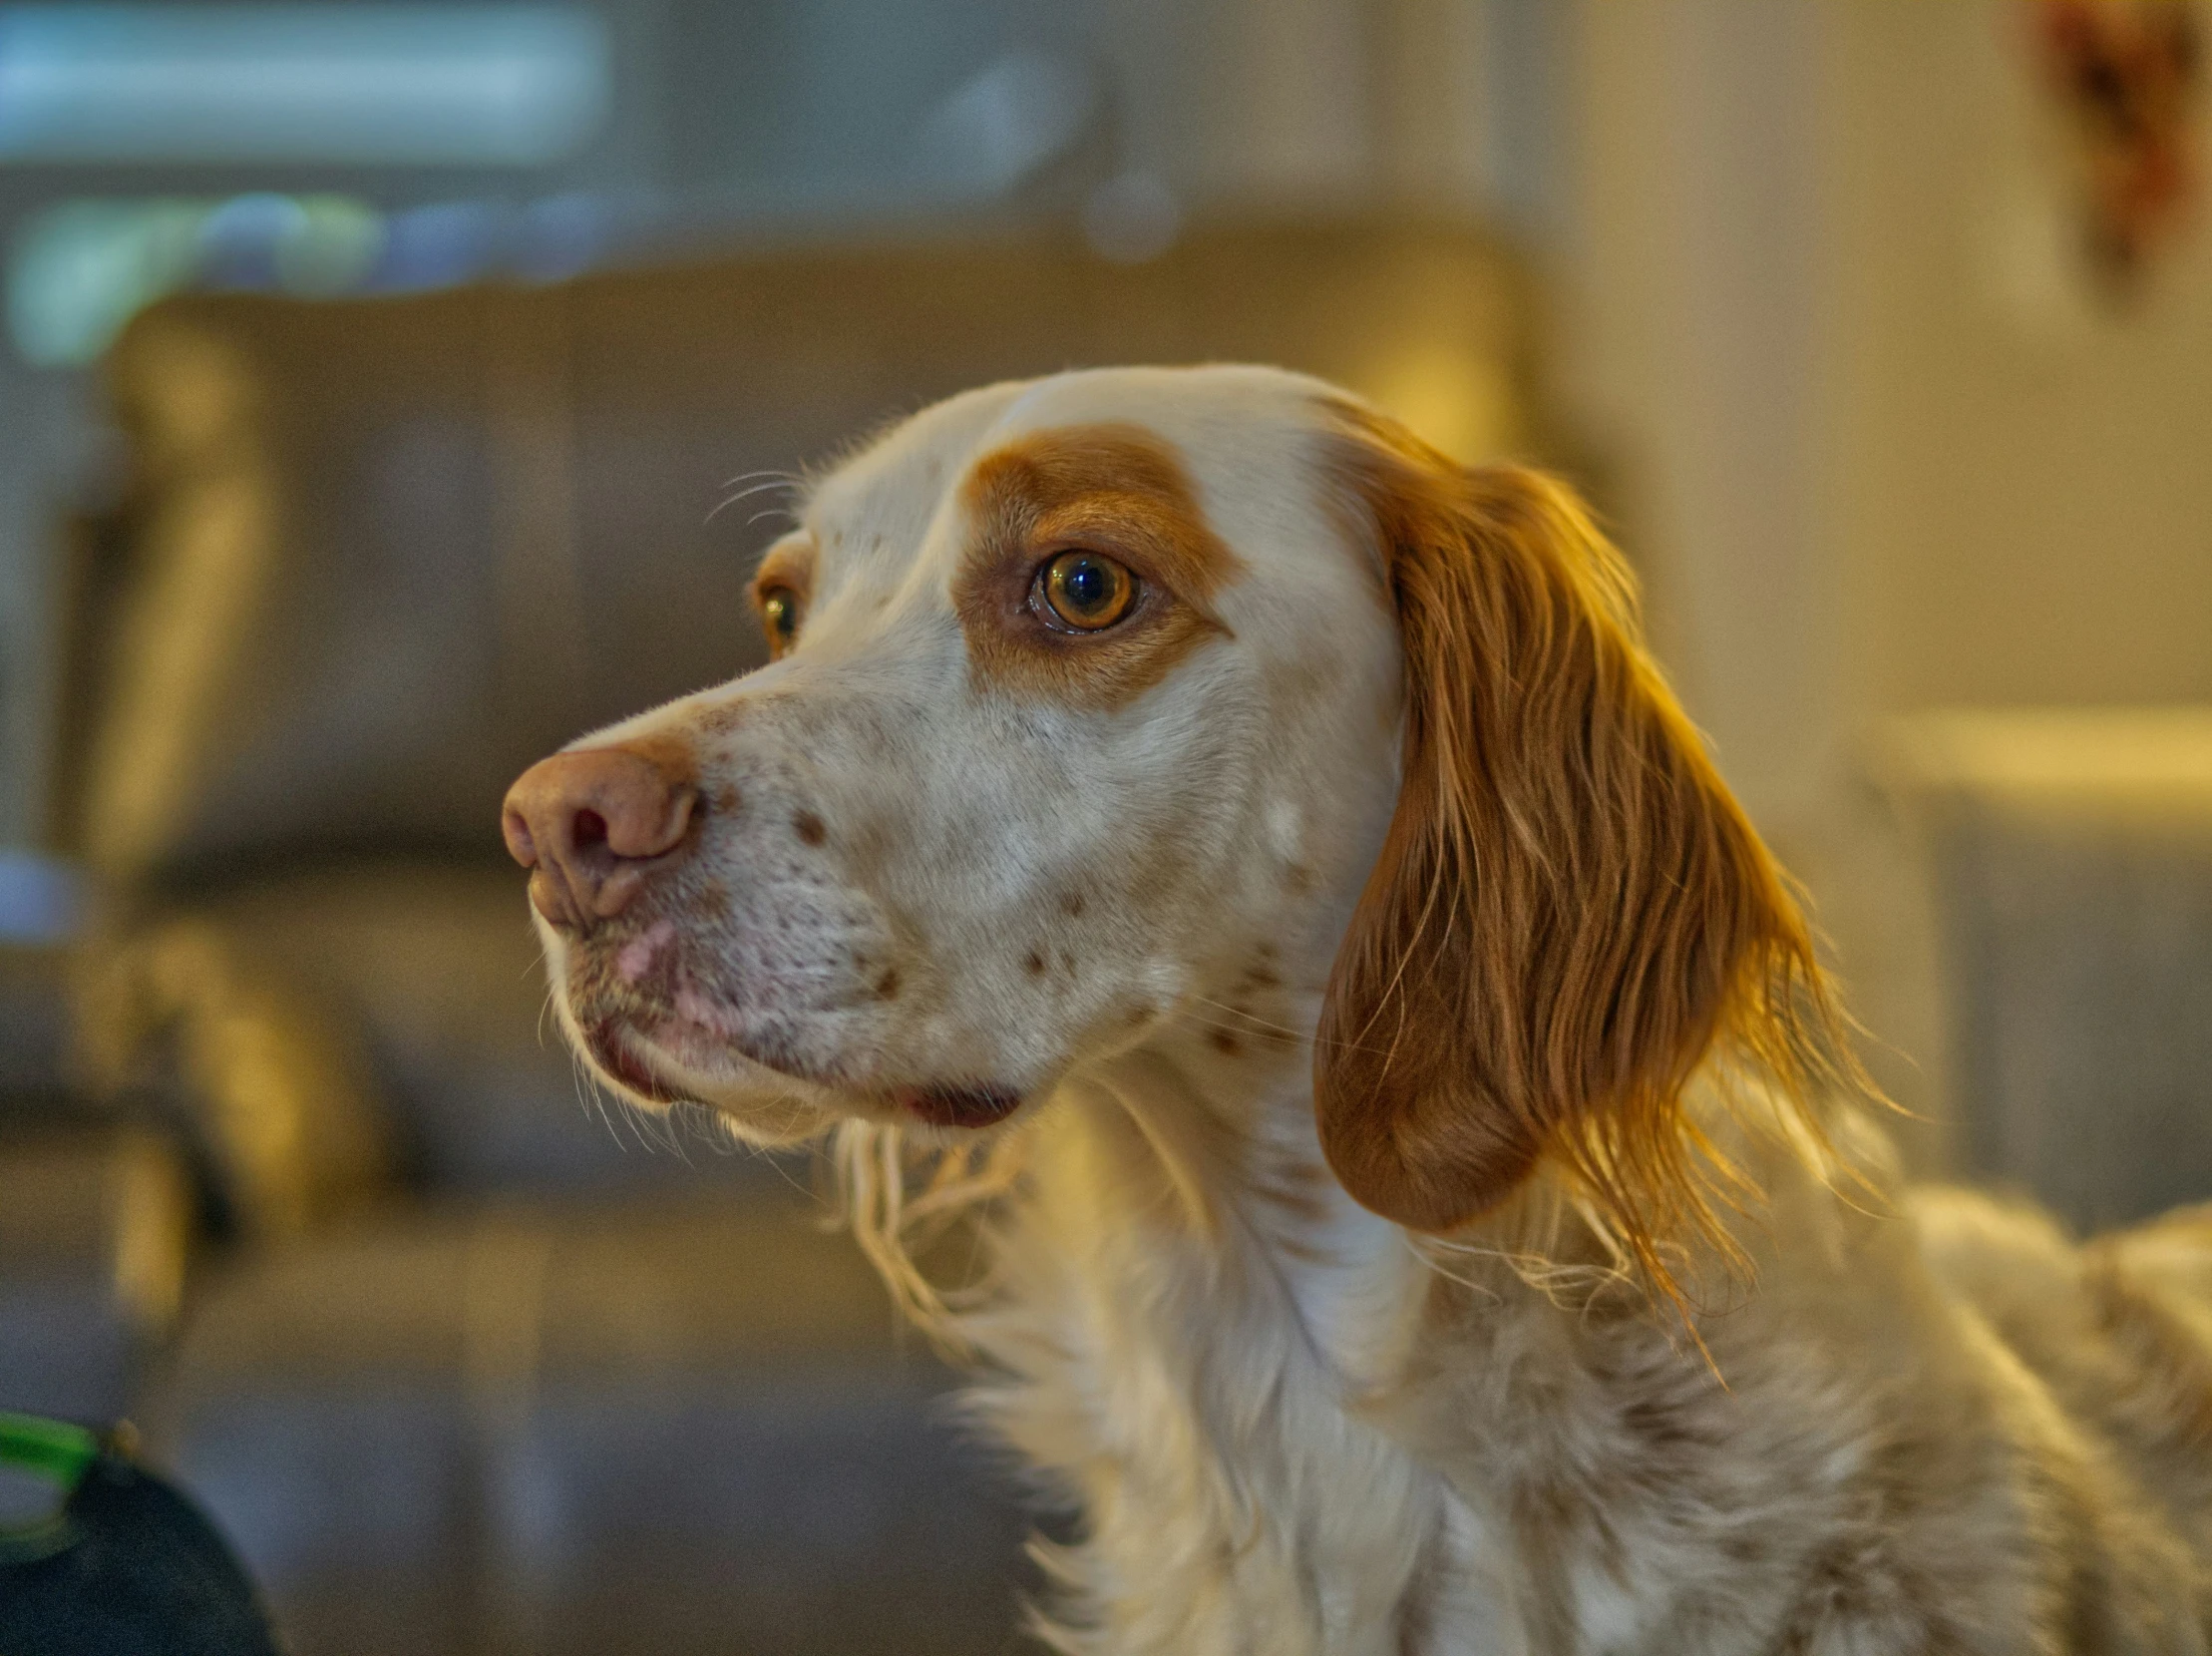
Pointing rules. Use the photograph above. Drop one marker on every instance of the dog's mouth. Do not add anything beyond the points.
(647, 1047)
(956, 1105)
(636, 1045)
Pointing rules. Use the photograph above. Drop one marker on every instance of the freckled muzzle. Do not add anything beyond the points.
(714, 942)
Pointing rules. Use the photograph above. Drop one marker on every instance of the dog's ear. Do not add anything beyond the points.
(1569, 910)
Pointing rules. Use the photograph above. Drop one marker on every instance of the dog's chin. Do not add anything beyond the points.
(767, 1104)
(751, 1102)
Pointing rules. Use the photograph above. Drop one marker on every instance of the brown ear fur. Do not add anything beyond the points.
(1570, 912)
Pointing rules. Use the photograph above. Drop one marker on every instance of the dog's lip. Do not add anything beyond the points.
(619, 1057)
(956, 1105)
(691, 1049)
(627, 1052)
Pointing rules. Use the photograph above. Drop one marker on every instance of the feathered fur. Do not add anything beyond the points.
(1433, 1210)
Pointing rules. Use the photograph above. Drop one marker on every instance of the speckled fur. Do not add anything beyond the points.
(1922, 1421)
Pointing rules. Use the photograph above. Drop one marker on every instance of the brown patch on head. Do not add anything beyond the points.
(727, 800)
(1116, 490)
(1223, 1042)
(887, 987)
(809, 828)
(1072, 904)
(1570, 912)
(1033, 964)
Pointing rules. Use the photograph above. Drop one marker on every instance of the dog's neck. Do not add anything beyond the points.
(1196, 1315)
(1213, 1160)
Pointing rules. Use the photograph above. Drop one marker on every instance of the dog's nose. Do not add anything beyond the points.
(590, 825)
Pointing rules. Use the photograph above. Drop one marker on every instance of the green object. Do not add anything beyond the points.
(59, 1452)
(54, 1450)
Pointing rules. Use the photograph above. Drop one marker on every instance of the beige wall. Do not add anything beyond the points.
(2024, 484)
(1825, 312)
(1878, 446)
(1693, 303)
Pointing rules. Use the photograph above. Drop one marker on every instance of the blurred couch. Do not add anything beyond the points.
(2067, 858)
(460, 1363)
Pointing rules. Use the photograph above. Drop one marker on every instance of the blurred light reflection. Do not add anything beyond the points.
(513, 85)
(81, 269)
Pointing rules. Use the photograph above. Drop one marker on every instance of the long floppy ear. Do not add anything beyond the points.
(1570, 912)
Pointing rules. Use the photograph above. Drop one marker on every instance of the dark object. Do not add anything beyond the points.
(125, 1568)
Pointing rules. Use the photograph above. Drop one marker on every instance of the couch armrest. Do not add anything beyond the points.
(274, 1081)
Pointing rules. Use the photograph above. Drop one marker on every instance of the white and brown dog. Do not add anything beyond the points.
(1431, 1210)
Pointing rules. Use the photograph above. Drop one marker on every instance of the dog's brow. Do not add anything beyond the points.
(789, 563)
(1115, 488)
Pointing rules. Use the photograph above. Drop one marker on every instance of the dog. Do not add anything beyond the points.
(1253, 861)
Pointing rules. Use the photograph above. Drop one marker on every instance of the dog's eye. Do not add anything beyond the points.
(780, 614)
(1082, 592)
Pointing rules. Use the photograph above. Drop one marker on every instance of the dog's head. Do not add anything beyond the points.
(1103, 703)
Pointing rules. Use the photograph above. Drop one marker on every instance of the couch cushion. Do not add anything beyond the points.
(671, 1426)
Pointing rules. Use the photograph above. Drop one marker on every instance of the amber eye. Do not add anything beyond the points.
(780, 614)
(1083, 591)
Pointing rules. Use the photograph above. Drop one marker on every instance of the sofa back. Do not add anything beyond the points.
(374, 557)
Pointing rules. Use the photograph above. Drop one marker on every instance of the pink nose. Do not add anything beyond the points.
(591, 826)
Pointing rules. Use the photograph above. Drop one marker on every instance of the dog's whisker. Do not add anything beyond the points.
(757, 488)
(1245, 1015)
(729, 500)
(1254, 1020)
(783, 1172)
(591, 1099)
(1199, 1021)
(773, 474)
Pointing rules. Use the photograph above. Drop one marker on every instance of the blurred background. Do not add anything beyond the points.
(375, 378)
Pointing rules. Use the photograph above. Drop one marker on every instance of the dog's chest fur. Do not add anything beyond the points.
(1185, 1375)
(1288, 1431)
